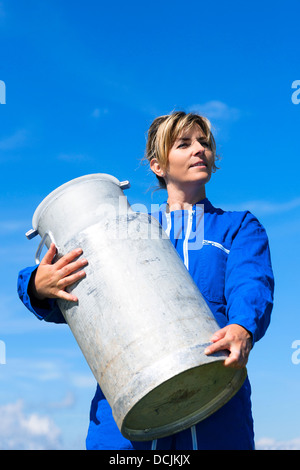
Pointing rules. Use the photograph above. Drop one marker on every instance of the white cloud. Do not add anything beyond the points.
(2, 11)
(26, 431)
(216, 111)
(12, 226)
(99, 112)
(261, 207)
(14, 141)
(267, 443)
(67, 402)
(73, 157)
(32, 369)
(15, 319)
(83, 380)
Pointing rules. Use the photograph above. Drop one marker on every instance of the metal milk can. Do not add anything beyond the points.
(140, 321)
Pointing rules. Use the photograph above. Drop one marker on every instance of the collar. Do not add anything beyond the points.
(207, 205)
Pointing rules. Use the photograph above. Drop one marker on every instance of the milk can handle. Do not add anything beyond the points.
(41, 245)
(124, 185)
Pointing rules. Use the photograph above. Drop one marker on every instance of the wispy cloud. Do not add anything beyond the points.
(73, 157)
(20, 430)
(12, 226)
(267, 443)
(263, 207)
(13, 319)
(67, 402)
(2, 10)
(83, 380)
(99, 112)
(216, 111)
(37, 370)
(14, 141)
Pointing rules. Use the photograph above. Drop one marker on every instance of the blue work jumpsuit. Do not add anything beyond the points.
(227, 254)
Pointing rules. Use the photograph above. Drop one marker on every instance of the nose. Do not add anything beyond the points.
(197, 147)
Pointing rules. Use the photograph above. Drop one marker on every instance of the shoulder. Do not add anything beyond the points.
(234, 216)
(226, 218)
(225, 213)
(231, 223)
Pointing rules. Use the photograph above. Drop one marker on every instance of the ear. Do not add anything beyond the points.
(156, 168)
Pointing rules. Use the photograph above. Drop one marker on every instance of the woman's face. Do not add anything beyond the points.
(190, 159)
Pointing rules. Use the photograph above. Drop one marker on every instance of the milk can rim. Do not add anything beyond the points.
(60, 189)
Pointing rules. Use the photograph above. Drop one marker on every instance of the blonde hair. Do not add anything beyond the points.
(163, 132)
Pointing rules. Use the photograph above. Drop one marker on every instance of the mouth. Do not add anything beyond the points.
(199, 164)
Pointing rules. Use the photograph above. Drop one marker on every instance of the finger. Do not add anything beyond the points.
(234, 360)
(62, 294)
(69, 280)
(68, 258)
(218, 335)
(49, 255)
(72, 267)
(218, 346)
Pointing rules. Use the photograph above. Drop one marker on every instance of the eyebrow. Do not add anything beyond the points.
(184, 139)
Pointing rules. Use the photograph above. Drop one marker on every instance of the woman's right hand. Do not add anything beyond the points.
(51, 279)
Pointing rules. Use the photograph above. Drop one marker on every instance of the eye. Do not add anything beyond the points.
(183, 145)
(204, 143)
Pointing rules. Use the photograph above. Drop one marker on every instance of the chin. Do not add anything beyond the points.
(203, 179)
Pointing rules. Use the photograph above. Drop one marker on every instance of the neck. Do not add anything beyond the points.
(184, 198)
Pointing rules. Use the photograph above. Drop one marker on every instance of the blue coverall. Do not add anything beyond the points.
(230, 262)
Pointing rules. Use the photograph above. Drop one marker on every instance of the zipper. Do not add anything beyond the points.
(194, 438)
(168, 229)
(154, 444)
(186, 262)
(186, 239)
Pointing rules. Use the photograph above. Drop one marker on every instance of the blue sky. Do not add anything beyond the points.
(84, 80)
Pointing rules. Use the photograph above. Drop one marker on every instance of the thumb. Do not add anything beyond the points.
(49, 255)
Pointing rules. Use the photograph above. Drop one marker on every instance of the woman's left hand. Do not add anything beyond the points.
(237, 340)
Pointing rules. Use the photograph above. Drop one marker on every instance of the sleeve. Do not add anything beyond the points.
(47, 310)
(249, 280)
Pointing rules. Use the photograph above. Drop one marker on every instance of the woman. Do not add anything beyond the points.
(231, 267)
